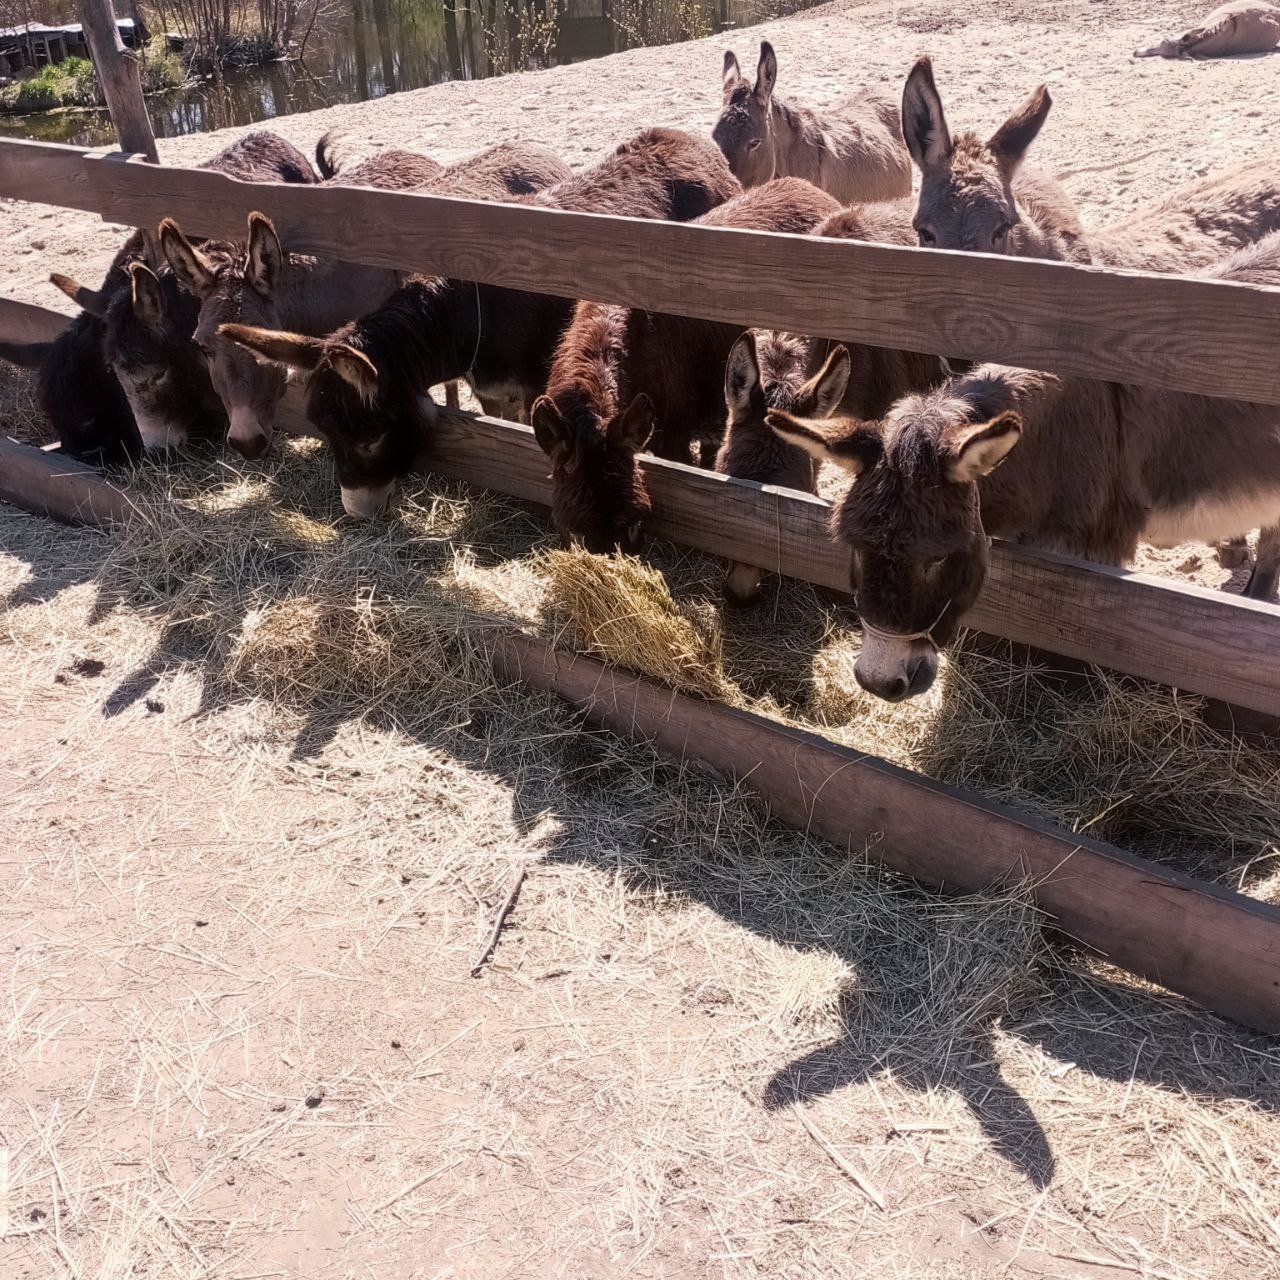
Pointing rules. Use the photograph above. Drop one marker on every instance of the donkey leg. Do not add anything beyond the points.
(1265, 578)
(1233, 552)
(452, 397)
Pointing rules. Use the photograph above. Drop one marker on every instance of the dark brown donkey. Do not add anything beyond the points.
(1100, 467)
(971, 190)
(367, 393)
(622, 375)
(76, 386)
(853, 150)
(767, 370)
(258, 283)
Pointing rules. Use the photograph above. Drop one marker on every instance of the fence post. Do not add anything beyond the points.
(117, 69)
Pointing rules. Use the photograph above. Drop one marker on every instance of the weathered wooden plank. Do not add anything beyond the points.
(1202, 641)
(24, 322)
(53, 485)
(1218, 948)
(47, 173)
(119, 75)
(1188, 335)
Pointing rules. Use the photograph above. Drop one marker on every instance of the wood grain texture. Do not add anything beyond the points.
(1204, 642)
(117, 68)
(1189, 335)
(1213, 946)
(23, 322)
(50, 484)
(46, 173)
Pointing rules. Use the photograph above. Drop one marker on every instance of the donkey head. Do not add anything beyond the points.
(372, 418)
(743, 131)
(913, 522)
(767, 371)
(966, 186)
(235, 286)
(598, 494)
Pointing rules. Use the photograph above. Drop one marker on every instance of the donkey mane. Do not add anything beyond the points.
(583, 383)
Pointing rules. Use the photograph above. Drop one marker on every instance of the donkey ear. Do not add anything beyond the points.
(924, 126)
(732, 73)
(847, 442)
(293, 349)
(356, 368)
(978, 448)
(190, 266)
(827, 387)
(1010, 141)
(741, 374)
(94, 301)
(632, 428)
(550, 429)
(766, 73)
(266, 257)
(145, 295)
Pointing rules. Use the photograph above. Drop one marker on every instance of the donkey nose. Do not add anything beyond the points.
(248, 446)
(891, 688)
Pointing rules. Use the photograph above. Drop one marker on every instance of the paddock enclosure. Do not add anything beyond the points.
(1216, 945)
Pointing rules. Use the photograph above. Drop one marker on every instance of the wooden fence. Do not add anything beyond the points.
(1190, 335)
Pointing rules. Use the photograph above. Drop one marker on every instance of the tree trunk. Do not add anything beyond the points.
(385, 47)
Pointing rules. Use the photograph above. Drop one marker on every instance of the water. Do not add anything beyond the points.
(381, 46)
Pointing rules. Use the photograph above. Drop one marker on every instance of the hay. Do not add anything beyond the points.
(621, 610)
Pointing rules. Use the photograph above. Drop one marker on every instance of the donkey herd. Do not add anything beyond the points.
(203, 344)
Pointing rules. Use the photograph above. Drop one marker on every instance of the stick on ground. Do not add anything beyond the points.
(503, 912)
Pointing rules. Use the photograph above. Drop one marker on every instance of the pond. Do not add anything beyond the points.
(376, 47)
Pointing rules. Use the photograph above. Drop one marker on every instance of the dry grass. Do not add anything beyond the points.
(680, 974)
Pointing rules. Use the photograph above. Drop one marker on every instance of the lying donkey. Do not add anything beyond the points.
(76, 387)
(765, 371)
(620, 376)
(367, 391)
(854, 150)
(261, 284)
(1100, 468)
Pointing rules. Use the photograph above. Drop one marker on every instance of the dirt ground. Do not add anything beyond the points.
(241, 1036)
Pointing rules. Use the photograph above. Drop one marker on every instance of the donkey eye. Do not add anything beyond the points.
(753, 145)
(926, 236)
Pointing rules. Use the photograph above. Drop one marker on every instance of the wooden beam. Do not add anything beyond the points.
(1194, 335)
(1218, 948)
(47, 173)
(23, 322)
(117, 68)
(1205, 642)
(54, 485)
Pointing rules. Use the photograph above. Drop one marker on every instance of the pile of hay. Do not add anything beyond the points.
(290, 602)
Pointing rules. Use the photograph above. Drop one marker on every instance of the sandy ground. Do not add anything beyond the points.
(240, 1036)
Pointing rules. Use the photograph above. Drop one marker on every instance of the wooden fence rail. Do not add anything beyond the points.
(1185, 334)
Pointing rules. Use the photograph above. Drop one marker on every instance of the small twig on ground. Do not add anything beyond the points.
(414, 1185)
(503, 912)
(859, 1179)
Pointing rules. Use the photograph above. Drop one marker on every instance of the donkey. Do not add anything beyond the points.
(974, 196)
(367, 390)
(620, 376)
(765, 371)
(76, 386)
(261, 285)
(854, 151)
(977, 195)
(1100, 468)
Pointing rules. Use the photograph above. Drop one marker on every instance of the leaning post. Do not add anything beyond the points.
(117, 69)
